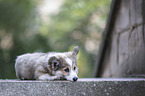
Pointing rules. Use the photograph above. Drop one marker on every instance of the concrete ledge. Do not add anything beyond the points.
(88, 87)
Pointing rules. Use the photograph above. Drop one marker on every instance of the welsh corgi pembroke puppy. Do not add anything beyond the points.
(48, 66)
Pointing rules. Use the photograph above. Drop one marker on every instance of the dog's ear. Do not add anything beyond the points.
(54, 63)
(75, 50)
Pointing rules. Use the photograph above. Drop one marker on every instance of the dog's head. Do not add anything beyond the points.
(64, 65)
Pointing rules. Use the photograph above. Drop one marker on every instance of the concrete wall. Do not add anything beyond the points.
(124, 55)
(83, 87)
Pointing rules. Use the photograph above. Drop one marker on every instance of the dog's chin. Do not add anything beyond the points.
(63, 78)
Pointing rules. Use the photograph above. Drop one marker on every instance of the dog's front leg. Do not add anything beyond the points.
(47, 77)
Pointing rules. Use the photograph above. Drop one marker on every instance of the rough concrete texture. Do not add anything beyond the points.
(83, 87)
(123, 52)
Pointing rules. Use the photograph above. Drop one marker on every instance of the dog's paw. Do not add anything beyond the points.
(47, 77)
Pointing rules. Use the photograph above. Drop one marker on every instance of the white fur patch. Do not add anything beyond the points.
(47, 77)
(69, 61)
(71, 75)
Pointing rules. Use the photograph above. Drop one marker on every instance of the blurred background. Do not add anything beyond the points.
(28, 26)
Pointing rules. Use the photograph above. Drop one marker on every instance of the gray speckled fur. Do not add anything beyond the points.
(27, 64)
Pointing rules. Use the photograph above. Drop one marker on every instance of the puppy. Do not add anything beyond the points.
(48, 66)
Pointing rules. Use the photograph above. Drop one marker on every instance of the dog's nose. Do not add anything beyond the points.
(75, 78)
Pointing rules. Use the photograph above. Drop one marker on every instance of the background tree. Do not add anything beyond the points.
(22, 30)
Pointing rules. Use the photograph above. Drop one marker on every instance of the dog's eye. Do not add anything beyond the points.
(74, 68)
(66, 70)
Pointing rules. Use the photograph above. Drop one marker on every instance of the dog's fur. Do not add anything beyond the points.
(47, 66)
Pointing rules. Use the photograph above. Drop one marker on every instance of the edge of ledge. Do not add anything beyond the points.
(79, 80)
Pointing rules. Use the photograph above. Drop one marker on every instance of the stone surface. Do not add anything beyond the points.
(83, 87)
(124, 53)
(122, 21)
(136, 14)
(127, 55)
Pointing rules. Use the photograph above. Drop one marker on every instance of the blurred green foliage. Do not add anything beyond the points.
(22, 30)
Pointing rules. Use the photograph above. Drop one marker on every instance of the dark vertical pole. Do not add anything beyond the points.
(106, 37)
